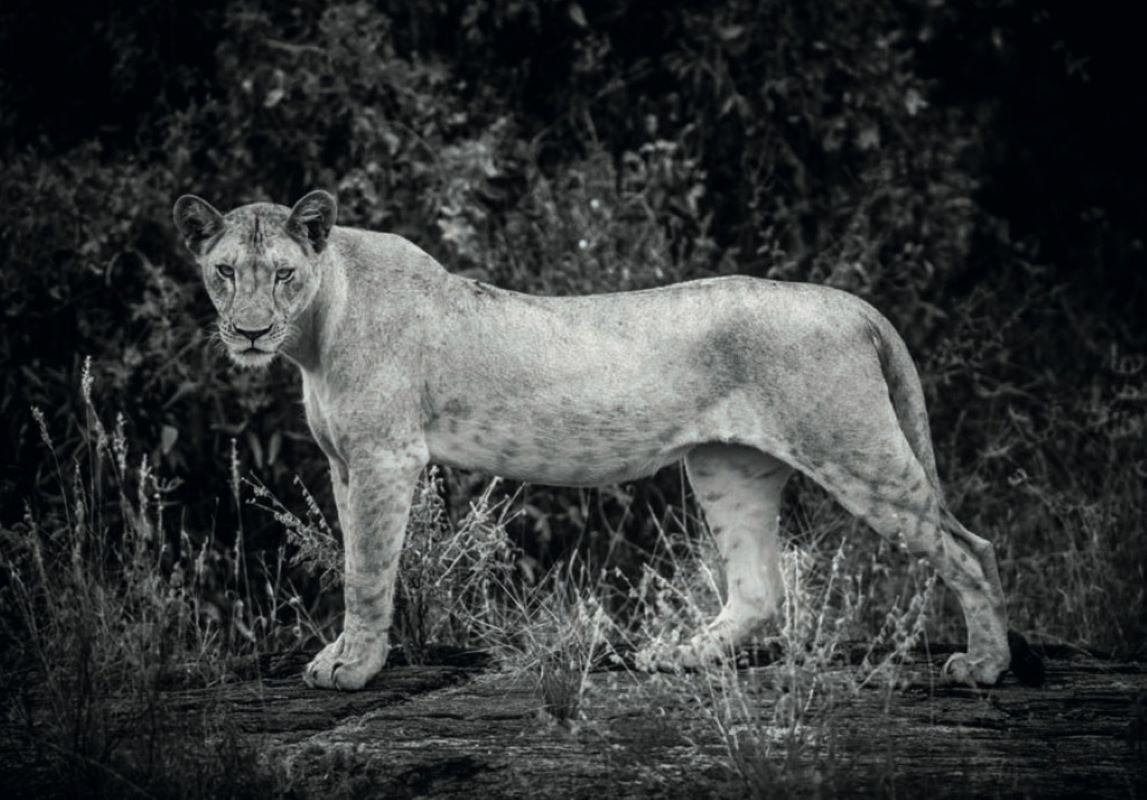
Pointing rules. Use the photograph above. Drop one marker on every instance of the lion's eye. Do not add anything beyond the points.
(284, 275)
(225, 270)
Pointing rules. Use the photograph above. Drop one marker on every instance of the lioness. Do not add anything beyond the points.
(745, 379)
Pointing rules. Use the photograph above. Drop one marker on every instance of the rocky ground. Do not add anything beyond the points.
(460, 729)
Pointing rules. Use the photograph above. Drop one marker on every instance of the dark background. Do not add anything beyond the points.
(974, 169)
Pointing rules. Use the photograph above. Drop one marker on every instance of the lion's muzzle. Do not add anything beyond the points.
(253, 335)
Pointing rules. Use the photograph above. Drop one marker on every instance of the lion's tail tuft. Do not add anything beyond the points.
(1026, 664)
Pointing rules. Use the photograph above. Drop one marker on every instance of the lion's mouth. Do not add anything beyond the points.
(252, 356)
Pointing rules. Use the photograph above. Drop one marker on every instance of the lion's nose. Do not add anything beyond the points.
(253, 335)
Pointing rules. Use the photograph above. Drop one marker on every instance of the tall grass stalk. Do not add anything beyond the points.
(108, 612)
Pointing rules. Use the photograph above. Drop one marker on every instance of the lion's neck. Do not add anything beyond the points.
(306, 348)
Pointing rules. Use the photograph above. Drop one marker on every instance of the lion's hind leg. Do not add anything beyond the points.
(883, 483)
(1026, 665)
(739, 489)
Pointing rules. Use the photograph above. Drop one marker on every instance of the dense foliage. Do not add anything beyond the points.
(973, 169)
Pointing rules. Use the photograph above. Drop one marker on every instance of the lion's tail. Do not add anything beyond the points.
(907, 395)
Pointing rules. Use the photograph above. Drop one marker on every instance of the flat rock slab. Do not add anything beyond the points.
(463, 730)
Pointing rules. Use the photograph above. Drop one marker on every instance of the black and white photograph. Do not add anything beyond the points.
(572, 399)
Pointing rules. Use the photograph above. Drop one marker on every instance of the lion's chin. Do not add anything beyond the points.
(251, 358)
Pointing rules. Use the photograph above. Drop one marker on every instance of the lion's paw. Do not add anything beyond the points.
(345, 665)
(962, 668)
(656, 656)
(703, 650)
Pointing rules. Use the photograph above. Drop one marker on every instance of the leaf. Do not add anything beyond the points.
(167, 438)
(256, 448)
(869, 138)
(578, 16)
(730, 32)
(914, 102)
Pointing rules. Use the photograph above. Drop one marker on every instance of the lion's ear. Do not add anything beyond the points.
(312, 218)
(197, 221)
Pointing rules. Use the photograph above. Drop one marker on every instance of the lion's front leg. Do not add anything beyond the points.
(373, 505)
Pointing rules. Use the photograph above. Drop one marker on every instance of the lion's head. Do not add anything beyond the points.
(261, 265)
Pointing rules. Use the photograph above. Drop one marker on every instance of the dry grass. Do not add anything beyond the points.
(776, 725)
(109, 608)
(112, 600)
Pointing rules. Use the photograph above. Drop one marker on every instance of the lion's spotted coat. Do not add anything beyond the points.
(745, 379)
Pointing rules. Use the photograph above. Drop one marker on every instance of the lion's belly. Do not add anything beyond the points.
(557, 468)
(572, 443)
(516, 450)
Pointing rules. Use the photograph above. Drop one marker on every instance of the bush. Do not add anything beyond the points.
(835, 144)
